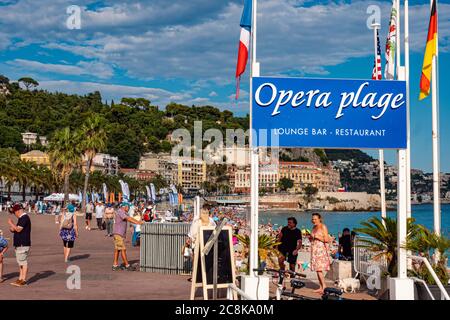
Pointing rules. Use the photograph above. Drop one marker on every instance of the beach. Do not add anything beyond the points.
(336, 221)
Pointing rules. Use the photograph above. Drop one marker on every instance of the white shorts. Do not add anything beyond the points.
(22, 254)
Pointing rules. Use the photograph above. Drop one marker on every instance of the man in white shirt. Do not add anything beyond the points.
(89, 212)
(99, 212)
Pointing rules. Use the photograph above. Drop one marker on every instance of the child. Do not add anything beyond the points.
(188, 254)
(3, 249)
(136, 239)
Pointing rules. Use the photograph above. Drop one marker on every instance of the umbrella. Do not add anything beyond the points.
(60, 197)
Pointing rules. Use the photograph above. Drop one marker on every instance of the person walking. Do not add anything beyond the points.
(320, 258)
(119, 234)
(3, 248)
(68, 229)
(99, 213)
(109, 219)
(89, 212)
(291, 242)
(57, 213)
(21, 242)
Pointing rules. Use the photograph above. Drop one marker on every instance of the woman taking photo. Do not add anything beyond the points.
(320, 258)
(68, 229)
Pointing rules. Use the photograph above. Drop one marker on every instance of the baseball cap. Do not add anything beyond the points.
(125, 204)
(16, 207)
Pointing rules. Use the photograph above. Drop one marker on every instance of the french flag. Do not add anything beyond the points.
(244, 42)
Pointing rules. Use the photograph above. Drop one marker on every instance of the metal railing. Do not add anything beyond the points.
(363, 258)
(433, 274)
(233, 287)
(161, 248)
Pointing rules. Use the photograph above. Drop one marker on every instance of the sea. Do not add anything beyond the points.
(337, 221)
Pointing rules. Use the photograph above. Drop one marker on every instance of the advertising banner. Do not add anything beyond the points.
(329, 113)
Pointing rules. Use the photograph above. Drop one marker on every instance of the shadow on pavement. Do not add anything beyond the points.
(80, 257)
(11, 275)
(40, 275)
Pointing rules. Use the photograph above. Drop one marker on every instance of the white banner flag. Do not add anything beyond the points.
(391, 43)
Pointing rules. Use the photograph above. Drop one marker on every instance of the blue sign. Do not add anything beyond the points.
(329, 113)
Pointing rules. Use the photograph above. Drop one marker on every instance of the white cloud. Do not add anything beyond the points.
(109, 91)
(197, 41)
(96, 69)
(305, 40)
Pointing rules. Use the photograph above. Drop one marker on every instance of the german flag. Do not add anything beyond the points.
(430, 51)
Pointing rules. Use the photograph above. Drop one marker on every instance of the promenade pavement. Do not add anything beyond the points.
(93, 254)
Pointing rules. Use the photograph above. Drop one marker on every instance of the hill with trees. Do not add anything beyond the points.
(133, 126)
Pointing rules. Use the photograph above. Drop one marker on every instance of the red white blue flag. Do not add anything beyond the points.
(244, 42)
(376, 73)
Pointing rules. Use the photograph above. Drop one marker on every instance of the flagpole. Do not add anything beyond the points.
(254, 158)
(376, 27)
(402, 190)
(435, 136)
(408, 113)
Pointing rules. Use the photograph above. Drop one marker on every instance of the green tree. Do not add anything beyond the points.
(11, 138)
(322, 155)
(44, 181)
(9, 158)
(93, 137)
(65, 155)
(29, 82)
(310, 190)
(382, 241)
(434, 248)
(3, 79)
(285, 183)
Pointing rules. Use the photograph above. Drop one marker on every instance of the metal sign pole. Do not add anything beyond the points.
(215, 268)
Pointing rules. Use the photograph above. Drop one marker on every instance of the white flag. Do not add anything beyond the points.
(391, 44)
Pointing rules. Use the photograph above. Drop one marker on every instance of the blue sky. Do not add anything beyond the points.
(185, 51)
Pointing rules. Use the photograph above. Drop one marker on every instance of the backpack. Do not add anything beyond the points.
(67, 223)
(146, 216)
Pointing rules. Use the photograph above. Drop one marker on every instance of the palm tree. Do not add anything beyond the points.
(430, 245)
(267, 246)
(9, 159)
(65, 155)
(382, 239)
(25, 175)
(93, 141)
(44, 181)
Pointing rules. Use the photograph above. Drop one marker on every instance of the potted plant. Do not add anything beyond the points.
(382, 242)
(434, 248)
(267, 248)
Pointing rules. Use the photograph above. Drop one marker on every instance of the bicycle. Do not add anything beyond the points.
(283, 294)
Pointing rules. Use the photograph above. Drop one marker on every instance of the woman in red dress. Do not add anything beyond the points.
(320, 258)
